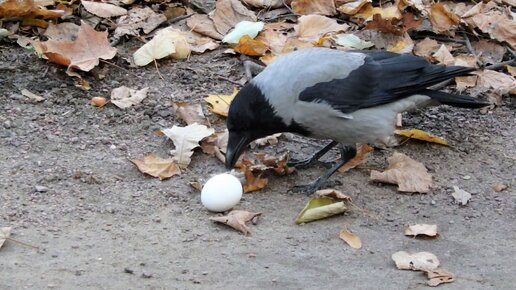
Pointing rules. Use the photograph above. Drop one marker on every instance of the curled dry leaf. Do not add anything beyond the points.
(439, 276)
(461, 196)
(138, 19)
(202, 23)
(103, 10)
(228, 13)
(16, 8)
(267, 140)
(237, 219)
(278, 164)
(158, 167)
(5, 232)
(410, 175)
(421, 229)
(264, 3)
(124, 97)
(421, 261)
(243, 28)
(191, 113)
(421, 135)
(350, 238)
(220, 103)
(388, 12)
(251, 47)
(383, 25)
(254, 182)
(352, 7)
(442, 19)
(83, 53)
(490, 51)
(185, 140)
(312, 27)
(167, 42)
(216, 145)
(321, 7)
(333, 193)
(320, 207)
(362, 151)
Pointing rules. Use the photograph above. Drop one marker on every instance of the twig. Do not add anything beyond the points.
(500, 65)
(21, 243)
(471, 50)
(221, 77)
(179, 18)
(156, 65)
(119, 67)
(440, 38)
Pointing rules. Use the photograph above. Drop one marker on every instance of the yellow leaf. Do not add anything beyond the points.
(421, 135)
(350, 238)
(220, 103)
(157, 167)
(251, 47)
(320, 207)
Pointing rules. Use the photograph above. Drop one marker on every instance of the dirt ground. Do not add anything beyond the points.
(101, 224)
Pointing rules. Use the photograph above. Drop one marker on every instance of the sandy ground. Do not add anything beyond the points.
(101, 224)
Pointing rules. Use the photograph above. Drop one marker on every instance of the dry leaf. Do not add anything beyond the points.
(32, 96)
(157, 166)
(333, 193)
(66, 31)
(444, 56)
(278, 164)
(228, 13)
(199, 43)
(426, 47)
(251, 47)
(421, 135)
(5, 232)
(237, 219)
(362, 151)
(351, 41)
(313, 27)
(124, 97)
(103, 10)
(350, 238)
(490, 52)
(83, 53)
(16, 8)
(500, 187)
(383, 25)
(321, 7)
(185, 140)
(421, 229)
(220, 103)
(461, 196)
(443, 20)
(367, 12)
(320, 207)
(166, 42)
(202, 23)
(241, 29)
(410, 175)
(424, 261)
(439, 276)
(264, 3)
(352, 7)
(254, 183)
(191, 113)
(493, 81)
(267, 140)
(138, 19)
(216, 145)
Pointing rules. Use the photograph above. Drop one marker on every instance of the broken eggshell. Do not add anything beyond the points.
(221, 192)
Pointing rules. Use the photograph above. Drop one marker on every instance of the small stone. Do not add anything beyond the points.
(40, 188)
(128, 270)
(146, 275)
(432, 202)
(112, 147)
(7, 124)
(466, 177)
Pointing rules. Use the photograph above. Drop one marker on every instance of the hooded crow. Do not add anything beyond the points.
(347, 97)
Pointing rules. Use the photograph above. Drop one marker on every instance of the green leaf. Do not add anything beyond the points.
(320, 208)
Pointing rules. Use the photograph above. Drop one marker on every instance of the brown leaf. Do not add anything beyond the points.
(362, 151)
(444, 56)
(16, 8)
(383, 25)
(216, 144)
(5, 232)
(191, 113)
(352, 7)
(490, 19)
(493, 81)
(421, 135)
(228, 13)
(237, 219)
(267, 140)
(275, 36)
(490, 51)
(321, 7)
(333, 193)
(350, 238)
(199, 43)
(83, 53)
(312, 27)
(421, 229)
(410, 175)
(278, 164)
(138, 19)
(417, 261)
(202, 23)
(254, 183)
(252, 47)
(500, 187)
(66, 31)
(157, 166)
(442, 19)
(387, 12)
(103, 10)
(124, 97)
(264, 3)
(439, 276)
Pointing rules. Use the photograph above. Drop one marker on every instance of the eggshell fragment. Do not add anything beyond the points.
(221, 192)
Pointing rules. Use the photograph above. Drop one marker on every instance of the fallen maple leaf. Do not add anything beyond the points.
(66, 31)
(321, 7)
(439, 276)
(424, 261)
(191, 113)
(421, 229)
(237, 219)
(228, 13)
(124, 97)
(251, 47)
(421, 135)
(103, 10)
(157, 166)
(320, 207)
(362, 151)
(312, 27)
(350, 238)
(5, 232)
(220, 103)
(83, 53)
(410, 175)
(461, 196)
(186, 139)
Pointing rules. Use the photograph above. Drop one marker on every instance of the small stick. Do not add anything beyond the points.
(119, 67)
(471, 50)
(221, 77)
(156, 65)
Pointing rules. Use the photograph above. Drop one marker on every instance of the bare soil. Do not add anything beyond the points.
(101, 224)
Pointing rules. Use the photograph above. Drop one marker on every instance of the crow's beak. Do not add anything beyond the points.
(236, 144)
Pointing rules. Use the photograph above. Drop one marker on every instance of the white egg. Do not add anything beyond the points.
(221, 192)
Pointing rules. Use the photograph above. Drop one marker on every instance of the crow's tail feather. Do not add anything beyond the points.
(460, 101)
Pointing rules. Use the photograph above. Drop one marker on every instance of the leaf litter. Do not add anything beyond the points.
(237, 219)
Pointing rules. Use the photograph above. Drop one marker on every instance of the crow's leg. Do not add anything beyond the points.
(346, 154)
(312, 159)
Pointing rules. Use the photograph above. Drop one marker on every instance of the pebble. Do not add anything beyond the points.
(7, 124)
(466, 177)
(40, 188)
(146, 275)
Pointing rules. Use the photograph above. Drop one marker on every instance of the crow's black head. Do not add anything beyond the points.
(250, 117)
